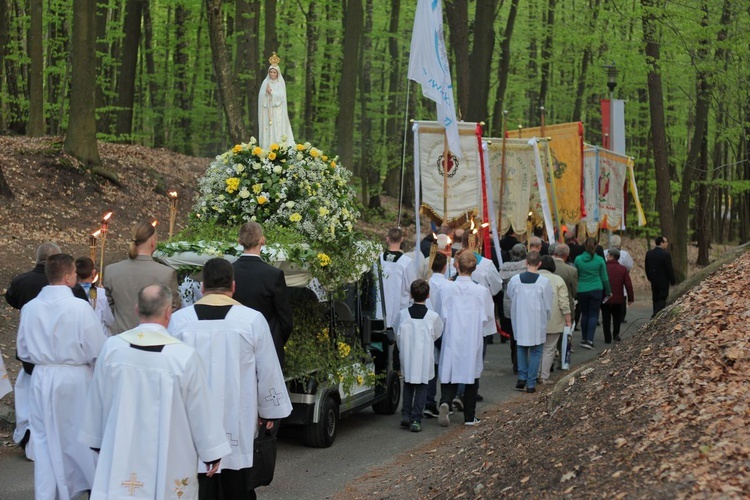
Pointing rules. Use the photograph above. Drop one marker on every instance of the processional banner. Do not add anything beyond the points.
(520, 189)
(604, 174)
(464, 175)
(566, 155)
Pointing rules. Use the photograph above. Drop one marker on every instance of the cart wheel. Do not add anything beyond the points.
(389, 405)
(323, 433)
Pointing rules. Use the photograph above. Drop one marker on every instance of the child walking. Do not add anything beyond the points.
(416, 329)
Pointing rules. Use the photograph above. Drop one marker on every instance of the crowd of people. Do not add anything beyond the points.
(123, 393)
(456, 299)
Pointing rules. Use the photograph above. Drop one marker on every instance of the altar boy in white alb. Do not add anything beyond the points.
(244, 373)
(61, 336)
(150, 412)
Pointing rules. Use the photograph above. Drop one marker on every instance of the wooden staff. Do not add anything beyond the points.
(541, 112)
(502, 170)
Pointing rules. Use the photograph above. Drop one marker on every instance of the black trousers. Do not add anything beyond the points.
(229, 485)
(448, 393)
(612, 315)
(507, 326)
(659, 298)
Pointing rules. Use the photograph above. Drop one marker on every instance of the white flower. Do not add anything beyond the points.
(277, 169)
(289, 204)
(256, 166)
(239, 168)
(299, 156)
(244, 193)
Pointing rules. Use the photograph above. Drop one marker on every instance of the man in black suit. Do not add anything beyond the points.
(262, 287)
(660, 273)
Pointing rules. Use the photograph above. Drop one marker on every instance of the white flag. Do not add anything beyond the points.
(428, 66)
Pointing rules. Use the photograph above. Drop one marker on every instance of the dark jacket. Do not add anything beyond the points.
(27, 286)
(262, 287)
(619, 277)
(659, 268)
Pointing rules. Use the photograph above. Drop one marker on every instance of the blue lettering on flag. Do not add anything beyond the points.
(434, 4)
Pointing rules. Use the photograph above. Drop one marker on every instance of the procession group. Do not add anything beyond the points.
(452, 300)
(124, 394)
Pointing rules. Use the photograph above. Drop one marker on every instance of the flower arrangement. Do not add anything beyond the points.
(297, 187)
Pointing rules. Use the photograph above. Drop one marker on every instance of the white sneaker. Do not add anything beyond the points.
(476, 421)
(443, 419)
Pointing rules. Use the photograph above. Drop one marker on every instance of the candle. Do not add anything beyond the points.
(93, 240)
(104, 228)
(172, 211)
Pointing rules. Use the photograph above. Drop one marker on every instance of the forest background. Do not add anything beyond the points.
(184, 75)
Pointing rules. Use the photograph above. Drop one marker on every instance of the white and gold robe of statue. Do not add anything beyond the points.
(151, 414)
(243, 370)
(273, 113)
(61, 335)
(468, 313)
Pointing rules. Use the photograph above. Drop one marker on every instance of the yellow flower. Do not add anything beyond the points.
(314, 153)
(274, 147)
(344, 349)
(323, 211)
(360, 379)
(323, 260)
(272, 155)
(300, 147)
(237, 148)
(262, 200)
(333, 164)
(257, 188)
(323, 335)
(257, 150)
(232, 184)
(295, 217)
(324, 158)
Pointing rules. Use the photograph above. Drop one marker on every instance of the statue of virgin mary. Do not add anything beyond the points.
(273, 117)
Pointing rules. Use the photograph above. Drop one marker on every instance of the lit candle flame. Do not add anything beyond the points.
(475, 231)
(434, 236)
(486, 224)
(96, 233)
(450, 241)
(472, 225)
(530, 214)
(155, 223)
(173, 194)
(106, 216)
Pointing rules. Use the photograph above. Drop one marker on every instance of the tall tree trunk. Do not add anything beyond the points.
(80, 140)
(353, 25)
(181, 90)
(532, 118)
(255, 63)
(3, 49)
(658, 125)
(547, 51)
(585, 61)
(242, 66)
(156, 96)
(370, 173)
(36, 76)
(223, 71)
(393, 135)
(128, 65)
(480, 60)
(503, 71)
(457, 12)
(702, 212)
(271, 42)
(311, 34)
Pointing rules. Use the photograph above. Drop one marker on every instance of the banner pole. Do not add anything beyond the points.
(403, 158)
(446, 154)
(502, 170)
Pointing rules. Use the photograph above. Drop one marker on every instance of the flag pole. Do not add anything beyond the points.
(502, 169)
(446, 154)
(403, 158)
(541, 112)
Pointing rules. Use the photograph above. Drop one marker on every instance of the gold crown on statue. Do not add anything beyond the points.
(274, 59)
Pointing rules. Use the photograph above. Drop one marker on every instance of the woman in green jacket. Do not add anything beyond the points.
(593, 286)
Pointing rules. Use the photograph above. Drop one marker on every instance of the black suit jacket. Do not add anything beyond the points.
(25, 287)
(262, 287)
(659, 268)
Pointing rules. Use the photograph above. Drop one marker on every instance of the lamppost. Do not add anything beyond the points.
(611, 84)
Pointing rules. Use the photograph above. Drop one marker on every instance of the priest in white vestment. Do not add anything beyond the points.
(273, 115)
(468, 313)
(150, 412)
(244, 373)
(531, 307)
(61, 336)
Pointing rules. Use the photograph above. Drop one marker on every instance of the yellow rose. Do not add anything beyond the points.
(314, 153)
(324, 158)
(272, 155)
(237, 148)
(257, 188)
(261, 200)
(333, 164)
(274, 147)
(257, 151)
(300, 147)
(232, 184)
(295, 217)
(323, 260)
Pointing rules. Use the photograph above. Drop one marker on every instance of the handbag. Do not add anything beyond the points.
(264, 458)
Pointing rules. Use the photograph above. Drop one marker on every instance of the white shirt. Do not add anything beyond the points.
(531, 308)
(415, 339)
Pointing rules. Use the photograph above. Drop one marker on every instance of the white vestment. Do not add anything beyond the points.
(102, 309)
(416, 340)
(243, 371)
(437, 282)
(397, 279)
(468, 314)
(273, 114)
(531, 308)
(152, 416)
(60, 334)
(487, 275)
